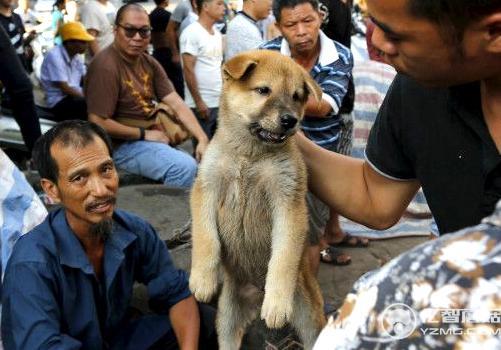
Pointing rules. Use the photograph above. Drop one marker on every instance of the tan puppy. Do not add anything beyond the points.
(248, 203)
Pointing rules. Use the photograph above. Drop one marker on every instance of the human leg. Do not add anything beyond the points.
(18, 85)
(157, 161)
(70, 107)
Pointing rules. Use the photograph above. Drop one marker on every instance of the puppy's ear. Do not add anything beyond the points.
(239, 67)
(312, 86)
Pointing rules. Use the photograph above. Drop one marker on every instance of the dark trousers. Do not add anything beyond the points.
(18, 86)
(164, 56)
(154, 332)
(70, 107)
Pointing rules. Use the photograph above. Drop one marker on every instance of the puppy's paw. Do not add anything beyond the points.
(203, 283)
(276, 310)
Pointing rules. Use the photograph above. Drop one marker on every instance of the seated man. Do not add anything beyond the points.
(69, 281)
(63, 71)
(125, 83)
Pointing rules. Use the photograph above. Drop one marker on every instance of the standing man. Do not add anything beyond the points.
(69, 281)
(244, 32)
(98, 17)
(63, 71)
(18, 85)
(125, 83)
(439, 126)
(181, 12)
(159, 19)
(13, 26)
(330, 64)
(201, 46)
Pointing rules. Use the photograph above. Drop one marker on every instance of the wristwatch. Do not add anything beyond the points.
(142, 133)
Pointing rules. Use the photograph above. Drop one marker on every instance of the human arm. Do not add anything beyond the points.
(172, 28)
(30, 310)
(68, 90)
(334, 80)
(189, 62)
(185, 319)
(189, 120)
(354, 189)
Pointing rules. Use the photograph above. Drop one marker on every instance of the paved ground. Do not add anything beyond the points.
(168, 211)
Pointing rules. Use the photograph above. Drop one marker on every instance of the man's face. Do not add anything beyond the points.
(87, 183)
(215, 9)
(262, 8)
(300, 26)
(135, 45)
(418, 48)
(77, 46)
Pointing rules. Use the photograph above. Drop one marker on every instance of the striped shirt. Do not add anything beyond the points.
(332, 72)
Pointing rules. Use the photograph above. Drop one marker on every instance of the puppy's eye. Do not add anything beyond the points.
(264, 90)
(296, 97)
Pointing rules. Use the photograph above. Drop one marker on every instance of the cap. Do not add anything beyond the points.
(75, 31)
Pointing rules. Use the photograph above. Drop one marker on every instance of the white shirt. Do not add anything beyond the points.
(100, 17)
(243, 34)
(208, 50)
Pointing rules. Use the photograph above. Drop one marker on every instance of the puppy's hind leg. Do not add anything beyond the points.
(235, 313)
(308, 316)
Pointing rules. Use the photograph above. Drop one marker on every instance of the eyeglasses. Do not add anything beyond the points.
(130, 32)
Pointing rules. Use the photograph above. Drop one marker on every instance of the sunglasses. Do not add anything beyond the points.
(130, 32)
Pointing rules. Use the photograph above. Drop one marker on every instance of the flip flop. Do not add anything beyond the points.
(330, 255)
(350, 241)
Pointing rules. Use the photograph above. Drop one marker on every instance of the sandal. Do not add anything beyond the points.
(331, 255)
(350, 241)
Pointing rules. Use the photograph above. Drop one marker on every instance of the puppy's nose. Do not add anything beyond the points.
(288, 121)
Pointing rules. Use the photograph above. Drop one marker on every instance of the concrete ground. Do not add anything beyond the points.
(168, 211)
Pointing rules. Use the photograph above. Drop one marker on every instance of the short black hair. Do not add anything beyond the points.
(279, 5)
(199, 4)
(76, 133)
(453, 16)
(127, 7)
(158, 2)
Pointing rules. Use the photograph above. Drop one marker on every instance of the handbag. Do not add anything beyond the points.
(162, 118)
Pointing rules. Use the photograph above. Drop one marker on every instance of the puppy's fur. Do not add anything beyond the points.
(248, 203)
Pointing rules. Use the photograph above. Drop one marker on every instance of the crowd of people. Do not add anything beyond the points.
(68, 283)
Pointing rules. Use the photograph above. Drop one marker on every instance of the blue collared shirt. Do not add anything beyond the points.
(332, 72)
(57, 66)
(52, 298)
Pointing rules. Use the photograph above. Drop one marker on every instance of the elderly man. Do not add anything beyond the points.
(125, 82)
(439, 126)
(69, 281)
(330, 64)
(244, 32)
(63, 72)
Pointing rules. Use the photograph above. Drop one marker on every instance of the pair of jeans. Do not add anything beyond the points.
(157, 161)
(13, 76)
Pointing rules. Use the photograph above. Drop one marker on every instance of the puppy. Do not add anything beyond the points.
(248, 203)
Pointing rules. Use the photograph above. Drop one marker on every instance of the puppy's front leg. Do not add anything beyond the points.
(206, 251)
(288, 237)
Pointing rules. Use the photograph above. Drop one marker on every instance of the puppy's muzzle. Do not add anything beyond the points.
(288, 121)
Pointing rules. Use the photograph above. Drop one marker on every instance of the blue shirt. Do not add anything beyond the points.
(57, 67)
(53, 300)
(332, 72)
